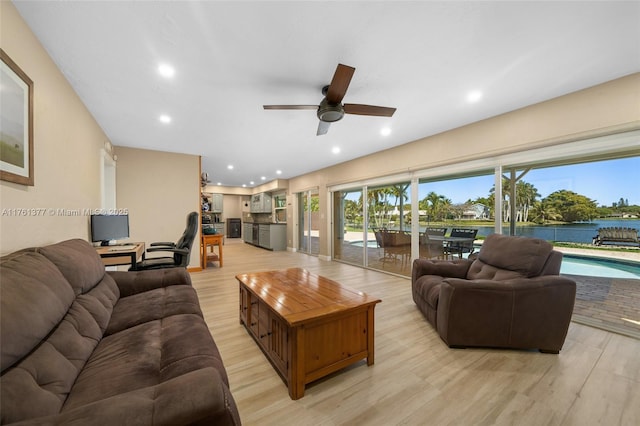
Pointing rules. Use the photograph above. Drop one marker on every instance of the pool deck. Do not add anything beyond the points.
(612, 304)
(633, 255)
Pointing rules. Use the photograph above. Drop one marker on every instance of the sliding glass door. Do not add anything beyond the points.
(349, 236)
(308, 220)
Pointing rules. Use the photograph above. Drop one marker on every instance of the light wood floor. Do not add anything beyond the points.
(417, 379)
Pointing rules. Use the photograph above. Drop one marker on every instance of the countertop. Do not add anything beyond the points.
(266, 223)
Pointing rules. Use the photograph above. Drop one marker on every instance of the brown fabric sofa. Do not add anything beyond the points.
(81, 346)
(510, 296)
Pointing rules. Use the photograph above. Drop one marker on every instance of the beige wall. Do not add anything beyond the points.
(608, 108)
(159, 189)
(67, 150)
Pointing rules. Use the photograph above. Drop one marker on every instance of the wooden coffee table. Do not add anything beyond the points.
(308, 326)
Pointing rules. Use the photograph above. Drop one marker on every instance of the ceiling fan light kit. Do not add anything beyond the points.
(330, 113)
(331, 108)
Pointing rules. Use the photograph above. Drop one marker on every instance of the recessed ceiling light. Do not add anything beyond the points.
(278, 172)
(166, 70)
(385, 131)
(230, 167)
(244, 185)
(263, 178)
(219, 183)
(474, 96)
(164, 118)
(251, 183)
(335, 150)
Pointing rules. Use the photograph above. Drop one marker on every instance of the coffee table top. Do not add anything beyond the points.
(297, 295)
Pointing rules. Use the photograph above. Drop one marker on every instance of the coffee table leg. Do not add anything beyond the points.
(370, 335)
(296, 366)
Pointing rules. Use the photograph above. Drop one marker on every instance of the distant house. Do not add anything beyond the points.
(476, 211)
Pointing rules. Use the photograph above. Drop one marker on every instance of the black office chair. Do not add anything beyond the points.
(181, 250)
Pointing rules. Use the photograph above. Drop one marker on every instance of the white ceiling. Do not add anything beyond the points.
(232, 57)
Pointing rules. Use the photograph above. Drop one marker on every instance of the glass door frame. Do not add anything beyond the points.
(304, 216)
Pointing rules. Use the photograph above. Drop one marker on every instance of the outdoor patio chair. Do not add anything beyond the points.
(431, 249)
(461, 247)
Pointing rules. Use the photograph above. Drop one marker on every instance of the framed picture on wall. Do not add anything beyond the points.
(16, 123)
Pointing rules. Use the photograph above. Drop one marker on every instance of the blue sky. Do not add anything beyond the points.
(605, 182)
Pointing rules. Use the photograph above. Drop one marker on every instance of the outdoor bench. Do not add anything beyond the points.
(616, 235)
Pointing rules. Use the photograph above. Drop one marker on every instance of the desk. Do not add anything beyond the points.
(211, 240)
(111, 257)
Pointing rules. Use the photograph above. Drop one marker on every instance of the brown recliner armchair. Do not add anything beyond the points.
(510, 296)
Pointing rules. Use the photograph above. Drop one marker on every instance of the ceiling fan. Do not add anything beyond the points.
(204, 179)
(331, 108)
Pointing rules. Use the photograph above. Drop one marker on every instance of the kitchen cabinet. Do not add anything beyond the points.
(261, 203)
(216, 203)
(212, 202)
(247, 232)
(272, 237)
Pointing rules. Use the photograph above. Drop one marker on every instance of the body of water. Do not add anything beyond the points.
(583, 232)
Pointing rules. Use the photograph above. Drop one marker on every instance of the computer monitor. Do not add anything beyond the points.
(105, 228)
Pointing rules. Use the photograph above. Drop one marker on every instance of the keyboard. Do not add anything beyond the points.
(122, 248)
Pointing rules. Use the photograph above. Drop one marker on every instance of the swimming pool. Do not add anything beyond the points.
(599, 267)
(370, 244)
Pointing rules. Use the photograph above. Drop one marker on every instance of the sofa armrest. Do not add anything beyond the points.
(522, 312)
(197, 397)
(134, 282)
(456, 268)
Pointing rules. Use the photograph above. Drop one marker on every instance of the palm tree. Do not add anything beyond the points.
(435, 205)
(399, 191)
(541, 213)
(526, 195)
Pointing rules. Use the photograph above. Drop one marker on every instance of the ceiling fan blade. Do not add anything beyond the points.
(339, 83)
(290, 106)
(360, 109)
(323, 128)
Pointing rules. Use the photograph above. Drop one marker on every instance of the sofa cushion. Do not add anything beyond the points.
(68, 256)
(147, 355)
(152, 305)
(504, 257)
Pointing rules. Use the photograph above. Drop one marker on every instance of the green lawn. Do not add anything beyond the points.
(12, 155)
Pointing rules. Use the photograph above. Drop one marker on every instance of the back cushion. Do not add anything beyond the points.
(78, 261)
(515, 256)
(482, 271)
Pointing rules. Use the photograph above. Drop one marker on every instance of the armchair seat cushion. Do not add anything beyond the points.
(427, 292)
